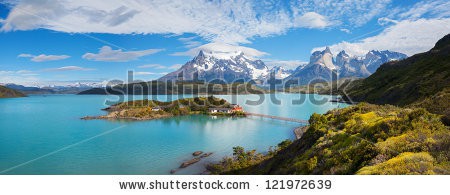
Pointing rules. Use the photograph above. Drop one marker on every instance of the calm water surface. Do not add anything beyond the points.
(44, 135)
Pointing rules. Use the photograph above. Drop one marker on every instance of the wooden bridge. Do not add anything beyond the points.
(278, 118)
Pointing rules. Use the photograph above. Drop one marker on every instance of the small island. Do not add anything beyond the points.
(153, 109)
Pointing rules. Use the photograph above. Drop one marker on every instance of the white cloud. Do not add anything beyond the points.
(25, 55)
(189, 42)
(149, 73)
(288, 64)
(69, 68)
(222, 49)
(350, 12)
(345, 30)
(159, 66)
(43, 57)
(426, 8)
(19, 72)
(408, 37)
(107, 54)
(312, 20)
(18, 77)
(155, 66)
(175, 66)
(385, 21)
(216, 21)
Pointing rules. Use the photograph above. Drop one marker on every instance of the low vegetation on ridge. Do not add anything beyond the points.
(360, 139)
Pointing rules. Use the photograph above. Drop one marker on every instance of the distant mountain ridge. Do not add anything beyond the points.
(323, 65)
(232, 66)
(69, 89)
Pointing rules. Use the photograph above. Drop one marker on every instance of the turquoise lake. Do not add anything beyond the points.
(45, 135)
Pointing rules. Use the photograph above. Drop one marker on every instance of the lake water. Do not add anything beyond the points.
(44, 135)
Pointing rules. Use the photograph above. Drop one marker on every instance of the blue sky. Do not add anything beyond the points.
(58, 42)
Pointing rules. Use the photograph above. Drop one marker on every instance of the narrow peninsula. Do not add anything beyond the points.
(153, 109)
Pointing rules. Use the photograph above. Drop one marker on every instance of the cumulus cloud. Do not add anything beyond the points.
(312, 20)
(222, 49)
(107, 54)
(43, 57)
(215, 21)
(68, 68)
(408, 37)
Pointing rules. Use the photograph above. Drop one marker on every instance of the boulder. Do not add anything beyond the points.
(206, 155)
(190, 162)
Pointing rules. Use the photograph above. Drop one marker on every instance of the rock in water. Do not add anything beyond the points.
(190, 162)
(197, 153)
(206, 155)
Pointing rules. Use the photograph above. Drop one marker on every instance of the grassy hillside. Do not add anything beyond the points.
(421, 80)
(361, 139)
(167, 88)
(9, 93)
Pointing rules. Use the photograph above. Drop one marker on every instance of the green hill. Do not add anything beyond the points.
(10, 93)
(360, 139)
(420, 80)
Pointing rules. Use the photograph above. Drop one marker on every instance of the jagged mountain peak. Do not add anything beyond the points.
(227, 66)
(323, 58)
(327, 50)
(343, 53)
(322, 64)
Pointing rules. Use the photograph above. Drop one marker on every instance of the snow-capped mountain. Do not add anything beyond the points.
(72, 88)
(228, 66)
(280, 72)
(374, 59)
(322, 65)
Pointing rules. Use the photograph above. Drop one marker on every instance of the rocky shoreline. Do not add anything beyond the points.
(116, 115)
(122, 118)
